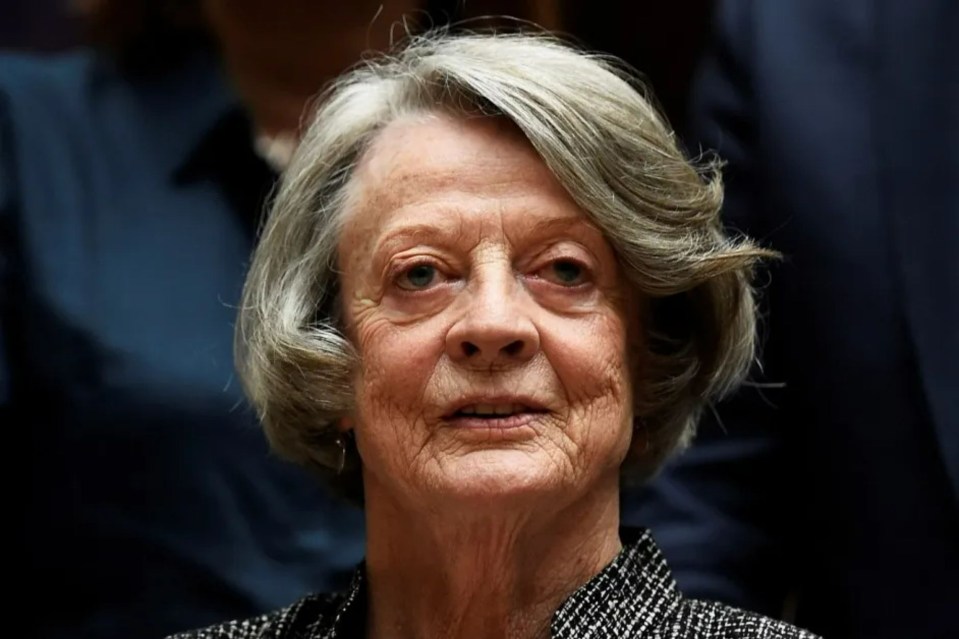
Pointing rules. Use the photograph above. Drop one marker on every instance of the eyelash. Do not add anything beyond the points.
(586, 274)
(398, 272)
(403, 270)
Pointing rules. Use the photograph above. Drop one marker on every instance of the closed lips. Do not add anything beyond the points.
(491, 410)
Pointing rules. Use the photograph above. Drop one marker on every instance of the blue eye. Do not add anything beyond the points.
(567, 272)
(418, 277)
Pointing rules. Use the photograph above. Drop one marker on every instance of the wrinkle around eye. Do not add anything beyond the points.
(407, 277)
(551, 272)
(547, 278)
(406, 303)
(400, 266)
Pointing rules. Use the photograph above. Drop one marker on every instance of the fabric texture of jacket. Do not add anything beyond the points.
(634, 596)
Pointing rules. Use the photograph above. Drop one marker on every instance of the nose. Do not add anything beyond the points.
(495, 328)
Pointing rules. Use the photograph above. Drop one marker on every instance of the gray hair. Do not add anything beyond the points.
(588, 118)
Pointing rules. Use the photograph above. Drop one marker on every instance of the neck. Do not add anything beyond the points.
(280, 54)
(485, 574)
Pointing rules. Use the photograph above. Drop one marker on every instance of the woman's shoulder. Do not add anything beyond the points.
(695, 618)
(314, 611)
(636, 596)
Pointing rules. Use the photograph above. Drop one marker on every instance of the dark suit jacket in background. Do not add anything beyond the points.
(840, 123)
(127, 213)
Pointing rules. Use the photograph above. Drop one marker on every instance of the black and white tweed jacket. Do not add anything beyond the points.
(633, 597)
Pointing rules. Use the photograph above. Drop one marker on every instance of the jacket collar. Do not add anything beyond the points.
(632, 595)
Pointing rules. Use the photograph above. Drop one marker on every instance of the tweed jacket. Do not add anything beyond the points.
(633, 597)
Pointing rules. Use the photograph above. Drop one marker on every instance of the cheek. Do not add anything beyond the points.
(591, 360)
(397, 366)
(592, 353)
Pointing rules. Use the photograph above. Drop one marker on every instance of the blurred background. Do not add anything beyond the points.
(663, 40)
(131, 181)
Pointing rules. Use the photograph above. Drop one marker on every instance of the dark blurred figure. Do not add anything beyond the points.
(840, 122)
(663, 40)
(131, 178)
(38, 25)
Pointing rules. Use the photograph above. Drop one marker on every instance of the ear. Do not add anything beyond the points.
(345, 424)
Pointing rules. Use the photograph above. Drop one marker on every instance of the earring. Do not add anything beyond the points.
(341, 462)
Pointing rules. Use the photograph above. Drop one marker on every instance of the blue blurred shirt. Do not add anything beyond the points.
(152, 504)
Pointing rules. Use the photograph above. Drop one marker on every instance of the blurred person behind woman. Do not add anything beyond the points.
(130, 185)
(840, 123)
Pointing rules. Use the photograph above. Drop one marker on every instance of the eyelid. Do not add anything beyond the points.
(586, 275)
(565, 251)
(397, 268)
(569, 250)
(405, 260)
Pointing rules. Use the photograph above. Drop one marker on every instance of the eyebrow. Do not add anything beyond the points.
(417, 231)
(565, 224)
(447, 227)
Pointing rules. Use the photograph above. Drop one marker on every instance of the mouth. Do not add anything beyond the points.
(492, 414)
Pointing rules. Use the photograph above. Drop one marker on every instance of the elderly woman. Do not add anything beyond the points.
(490, 288)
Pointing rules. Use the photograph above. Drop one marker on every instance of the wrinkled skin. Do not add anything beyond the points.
(473, 202)
(470, 276)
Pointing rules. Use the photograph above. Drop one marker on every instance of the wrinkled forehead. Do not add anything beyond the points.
(431, 151)
(421, 159)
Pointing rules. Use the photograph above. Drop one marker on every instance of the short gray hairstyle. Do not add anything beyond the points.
(589, 119)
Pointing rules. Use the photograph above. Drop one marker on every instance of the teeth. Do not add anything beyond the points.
(492, 409)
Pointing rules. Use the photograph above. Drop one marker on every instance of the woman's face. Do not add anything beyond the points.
(490, 317)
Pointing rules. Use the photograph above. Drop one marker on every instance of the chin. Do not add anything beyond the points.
(500, 477)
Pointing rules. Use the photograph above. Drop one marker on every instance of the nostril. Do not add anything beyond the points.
(513, 348)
